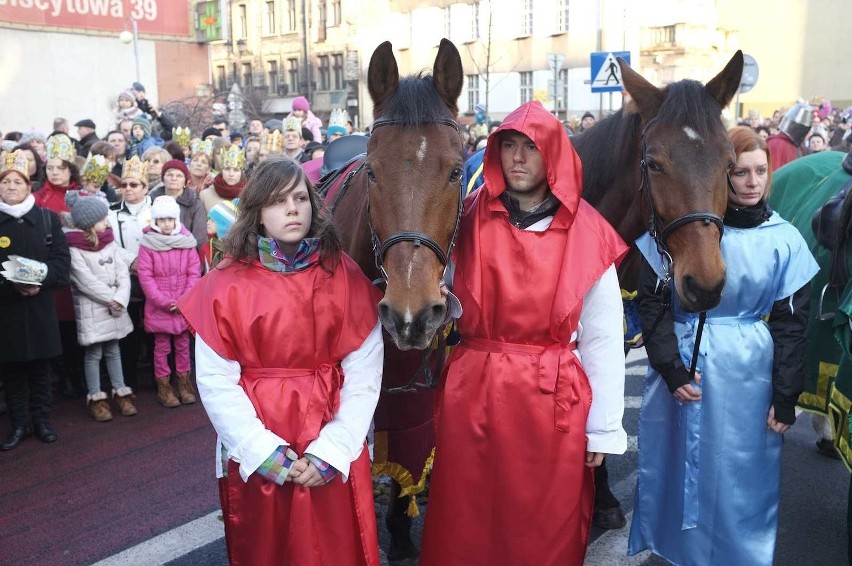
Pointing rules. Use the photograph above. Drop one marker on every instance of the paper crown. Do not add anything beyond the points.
(274, 141)
(205, 147)
(24, 270)
(338, 117)
(60, 146)
(181, 136)
(136, 169)
(292, 123)
(17, 161)
(96, 169)
(233, 157)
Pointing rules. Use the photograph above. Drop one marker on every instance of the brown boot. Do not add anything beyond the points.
(165, 393)
(185, 390)
(122, 398)
(98, 407)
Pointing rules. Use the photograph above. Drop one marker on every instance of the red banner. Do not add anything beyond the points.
(153, 17)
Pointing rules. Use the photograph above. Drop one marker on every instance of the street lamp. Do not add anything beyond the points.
(128, 36)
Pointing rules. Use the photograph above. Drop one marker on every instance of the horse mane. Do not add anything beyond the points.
(685, 103)
(416, 101)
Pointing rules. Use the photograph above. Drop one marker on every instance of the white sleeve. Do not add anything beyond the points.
(341, 440)
(601, 349)
(243, 435)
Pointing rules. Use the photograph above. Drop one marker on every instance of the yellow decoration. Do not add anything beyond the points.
(292, 123)
(233, 157)
(17, 161)
(205, 147)
(136, 169)
(5, 242)
(274, 141)
(182, 136)
(60, 146)
(96, 170)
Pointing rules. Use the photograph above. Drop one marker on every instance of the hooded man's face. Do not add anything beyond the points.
(523, 164)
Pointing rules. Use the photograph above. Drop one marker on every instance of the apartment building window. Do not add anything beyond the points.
(242, 21)
(337, 70)
(563, 91)
(292, 25)
(323, 20)
(562, 15)
(293, 74)
(527, 20)
(474, 21)
(221, 78)
(448, 28)
(335, 13)
(472, 91)
(273, 77)
(247, 77)
(526, 86)
(270, 18)
(324, 73)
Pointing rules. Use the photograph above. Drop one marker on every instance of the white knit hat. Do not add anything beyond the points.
(165, 207)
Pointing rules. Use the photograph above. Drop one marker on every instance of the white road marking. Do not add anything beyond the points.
(632, 402)
(692, 134)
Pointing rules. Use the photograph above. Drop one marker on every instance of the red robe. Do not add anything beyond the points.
(782, 150)
(289, 332)
(509, 484)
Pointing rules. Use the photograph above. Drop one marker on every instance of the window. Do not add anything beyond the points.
(472, 91)
(292, 24)
(293, 74)
(563, 89)
(234, 75)
(242, 22)
(270, 18)
(221, 78)
(562, 15)
(526, 86)
(337, 70)
(474, 21)
(324, 72)
(273, 77)
(335, 12)
(447, 22)
(527, 20)
(247, 80)
(323, 15)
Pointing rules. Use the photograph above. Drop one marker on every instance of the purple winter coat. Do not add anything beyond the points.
(165, 276)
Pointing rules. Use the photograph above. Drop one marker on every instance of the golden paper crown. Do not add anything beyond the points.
(338, 117)
(181, 136)
(292, 123)
(233, 157)
(206, 147)
(274, 141)
(136, 169)
(60, 146)
(17, 161)
(96, 169)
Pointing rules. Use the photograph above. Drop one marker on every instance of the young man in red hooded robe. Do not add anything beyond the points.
(532, 398)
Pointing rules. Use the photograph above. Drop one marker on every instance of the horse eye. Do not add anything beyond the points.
(455, 175)
(370, 175)
(654, 166)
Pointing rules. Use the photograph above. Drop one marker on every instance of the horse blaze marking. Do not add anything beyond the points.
(421, 153)
(692, 134)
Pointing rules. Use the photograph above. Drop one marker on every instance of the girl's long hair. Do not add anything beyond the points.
(91, 237)
(270, 181)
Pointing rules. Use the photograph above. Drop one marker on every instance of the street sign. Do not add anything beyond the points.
(606, 74)
(554, 61)
(750, 73)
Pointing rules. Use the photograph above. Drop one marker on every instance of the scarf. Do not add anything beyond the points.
(166, 242)
(747, 217)
(273, 257)
(525, 218)
(18, 210)
(226, 191)
(77, 239)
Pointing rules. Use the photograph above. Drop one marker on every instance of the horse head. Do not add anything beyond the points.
(686, 156)
(413, 173)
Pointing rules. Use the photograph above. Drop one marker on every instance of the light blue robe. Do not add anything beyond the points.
(709, 471)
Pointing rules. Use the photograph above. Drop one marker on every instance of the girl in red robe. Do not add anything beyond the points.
(289, 365)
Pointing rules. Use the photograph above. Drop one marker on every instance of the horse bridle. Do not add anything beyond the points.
(380, 247)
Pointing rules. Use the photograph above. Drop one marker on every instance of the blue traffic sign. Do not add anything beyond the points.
(606, 74)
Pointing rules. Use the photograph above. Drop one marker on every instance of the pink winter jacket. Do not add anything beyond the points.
(165, 276)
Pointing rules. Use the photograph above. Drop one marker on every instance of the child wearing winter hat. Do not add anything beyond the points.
(140, 137)
(126, 108)
(100, 283)
(168, 266)
(219, 221)
(302, 112)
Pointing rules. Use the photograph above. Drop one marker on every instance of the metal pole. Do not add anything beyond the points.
(136, 47)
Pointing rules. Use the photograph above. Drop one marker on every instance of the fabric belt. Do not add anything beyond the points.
(558, 371)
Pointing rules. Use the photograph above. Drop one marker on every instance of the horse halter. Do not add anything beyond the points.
(380, 247)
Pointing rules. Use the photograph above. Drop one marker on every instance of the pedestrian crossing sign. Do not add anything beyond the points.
(606, 74)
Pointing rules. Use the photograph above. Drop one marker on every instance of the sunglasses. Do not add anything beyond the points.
(130, 185)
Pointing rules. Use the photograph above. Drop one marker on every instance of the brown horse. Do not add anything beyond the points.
(670, 144)
(397, 214)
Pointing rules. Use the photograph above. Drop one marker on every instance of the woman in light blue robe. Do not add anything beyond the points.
(710, 449)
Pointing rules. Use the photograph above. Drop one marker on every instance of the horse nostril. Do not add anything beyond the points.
(439, 311)
(386, 316)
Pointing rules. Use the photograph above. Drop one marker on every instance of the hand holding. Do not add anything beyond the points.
(116, 306)
(310, 477)
(687, 393)
(27, 290)
(774, 424)
(594, 459)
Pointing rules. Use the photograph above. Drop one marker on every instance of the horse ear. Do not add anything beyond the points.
(725, 85)
(646, 96)
(448, 74)
(382, 76)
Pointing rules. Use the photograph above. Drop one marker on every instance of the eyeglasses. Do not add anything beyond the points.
(131, 185)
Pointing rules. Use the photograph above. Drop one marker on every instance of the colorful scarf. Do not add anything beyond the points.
(273, 257)
(77, 239)
(226, 191)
